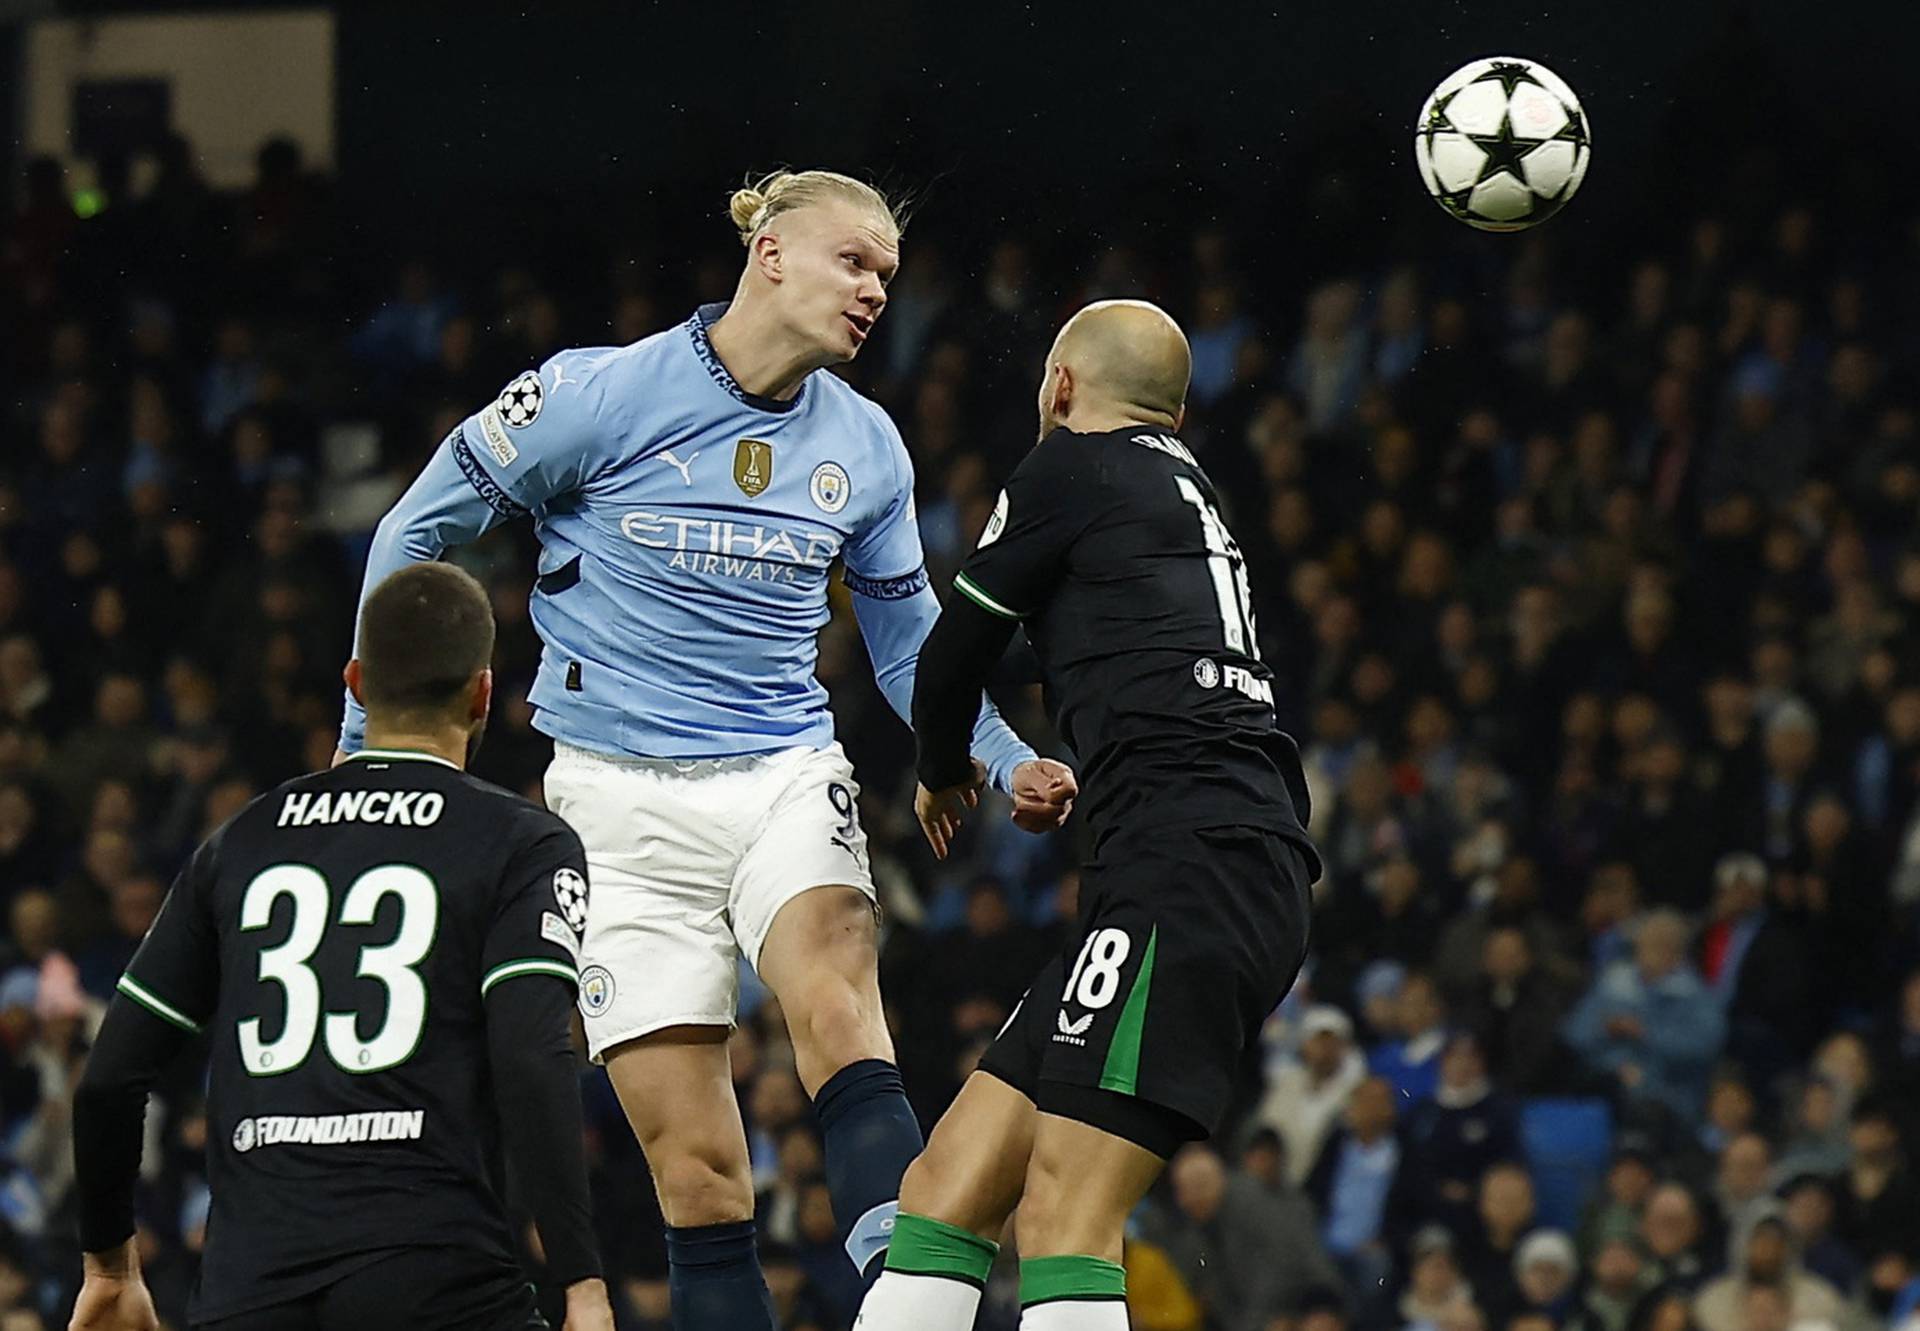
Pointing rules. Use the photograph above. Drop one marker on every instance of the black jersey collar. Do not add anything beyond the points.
(703, 348)
(403, 755)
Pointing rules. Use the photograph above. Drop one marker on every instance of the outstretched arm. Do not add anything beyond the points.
(960, 653)
(544, 437)
(441, 509)
(895, 618)
(896, 612)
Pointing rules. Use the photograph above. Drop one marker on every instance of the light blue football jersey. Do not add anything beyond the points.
(687, 528)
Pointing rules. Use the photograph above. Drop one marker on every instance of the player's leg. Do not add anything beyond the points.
(821, 961)
(1082, 1183)
(1188, 941)
(676, 1088)
(954, 1204)
(803, 909)
(658, 987)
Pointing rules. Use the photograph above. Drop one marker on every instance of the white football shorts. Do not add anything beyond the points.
(689, 861)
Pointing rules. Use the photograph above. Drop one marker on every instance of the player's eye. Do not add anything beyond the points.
(853, 260)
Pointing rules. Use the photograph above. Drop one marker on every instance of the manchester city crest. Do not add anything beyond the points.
(596, 990)
(753, 466)
(830, 487)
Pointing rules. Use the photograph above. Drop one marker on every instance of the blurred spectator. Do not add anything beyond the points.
(1763, 1255)
(1248, 1252)
(1757, 962)
(1456, 1137)
(1614, 1213)
(1619, 1280)
(1742, 1188)
(1673, 1233)
(1649, 1023)
(1809, 1214)
(1410, 1062)
(1546, 1270)
(1360, 1184)
(1516, 1008)
(1436, 1288)
(1879, 1199)
(1307, 1094)
(1504, 1217)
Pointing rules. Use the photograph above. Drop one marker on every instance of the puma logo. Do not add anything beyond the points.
(684, 468)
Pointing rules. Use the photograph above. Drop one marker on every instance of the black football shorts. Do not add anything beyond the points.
(1187, 940)
(408, 1289)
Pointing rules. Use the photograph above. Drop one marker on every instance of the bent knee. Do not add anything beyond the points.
(701, 1184)
(841, 1022)
(939, 1190)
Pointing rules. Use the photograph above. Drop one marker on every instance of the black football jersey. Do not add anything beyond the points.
(1110, 549)
(336, 940)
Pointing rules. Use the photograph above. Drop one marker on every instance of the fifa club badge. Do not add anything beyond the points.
(753, 466)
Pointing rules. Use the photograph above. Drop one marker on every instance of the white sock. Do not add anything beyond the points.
(902, 1302)
(1075, 1315)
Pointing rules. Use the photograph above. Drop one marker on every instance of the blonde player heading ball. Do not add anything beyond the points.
(691, 493)
(1107, 546)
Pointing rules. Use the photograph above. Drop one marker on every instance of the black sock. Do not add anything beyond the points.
(871, 1136)
(713, 1273)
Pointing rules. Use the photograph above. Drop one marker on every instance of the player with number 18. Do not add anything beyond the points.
(1108, 548)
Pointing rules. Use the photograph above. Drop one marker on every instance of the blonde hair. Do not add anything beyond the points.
(756, 204)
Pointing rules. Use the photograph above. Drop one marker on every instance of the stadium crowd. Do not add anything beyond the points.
(1592, 589)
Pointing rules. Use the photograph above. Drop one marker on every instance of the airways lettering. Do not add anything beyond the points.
(730, 549)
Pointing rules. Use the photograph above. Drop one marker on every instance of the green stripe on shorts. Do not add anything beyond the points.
(1122, 1070)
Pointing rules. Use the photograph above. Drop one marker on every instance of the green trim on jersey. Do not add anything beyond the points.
(508, 970)
(921, 1246)
(1122, 1070)
(160, 1008)
(974, 592)
(1051, 1279)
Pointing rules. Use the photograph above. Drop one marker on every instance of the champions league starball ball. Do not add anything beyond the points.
(1502, 143)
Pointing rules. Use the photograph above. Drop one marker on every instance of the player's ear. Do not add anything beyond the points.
(352, 677)
(769, 257)
(1180, 418)
(1062, 391)
(482, 695)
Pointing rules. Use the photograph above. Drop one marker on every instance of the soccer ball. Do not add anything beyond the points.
(1502, 144)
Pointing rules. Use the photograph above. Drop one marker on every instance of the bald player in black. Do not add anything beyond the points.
(1108, 548)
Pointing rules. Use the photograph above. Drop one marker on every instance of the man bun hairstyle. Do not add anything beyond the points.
(756, 204)
(425, 632)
